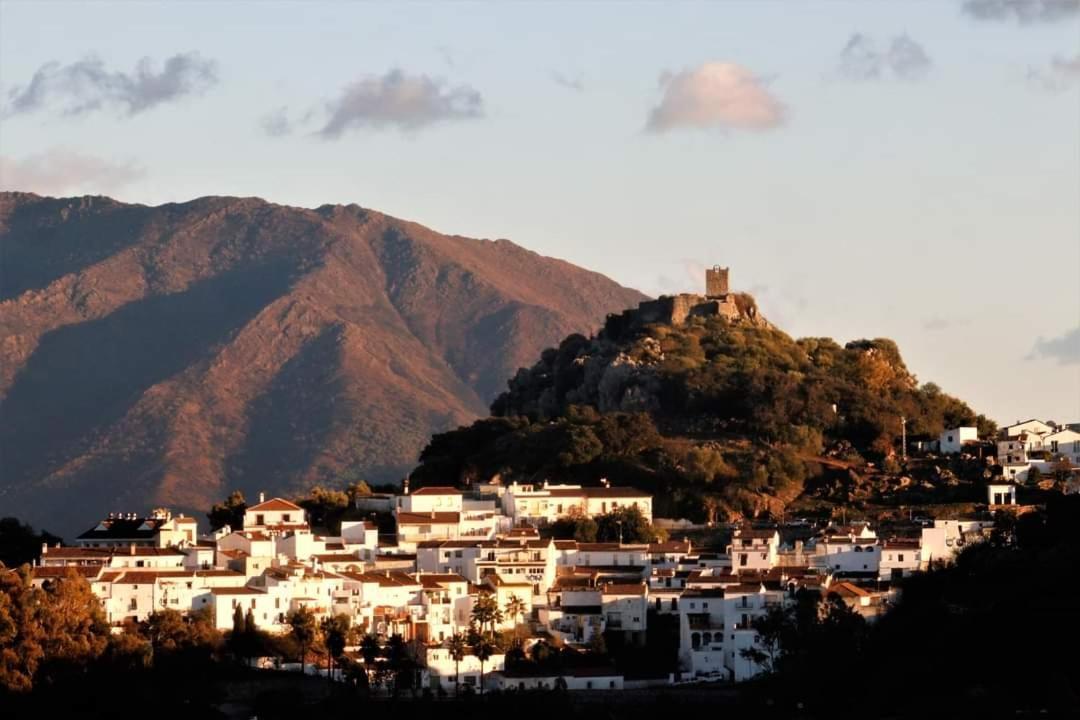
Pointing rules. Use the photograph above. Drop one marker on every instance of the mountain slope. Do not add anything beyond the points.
(164, 355)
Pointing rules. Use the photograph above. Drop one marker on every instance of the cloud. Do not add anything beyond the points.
(904, 59)
(1060, 75)
(571, 82)
(60, 171)
(276, 123)
(86, 85)
(715, 95)
(1064, 349)
(1024, 12)
(397, 99)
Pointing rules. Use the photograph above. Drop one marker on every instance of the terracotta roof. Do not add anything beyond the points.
(429, 518)
(59, 571)
(437, 490)
(846, 589)
(623, 589)
(274, 504)
(236, 591)
(671, 546)
(597, 492)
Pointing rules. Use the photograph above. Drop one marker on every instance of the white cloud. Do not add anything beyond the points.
(1060, 75)
(1064, 349)
(862, 60)
(60, 171)
(397, 99)
(86, 85)
(715, 95)
(1023, 11)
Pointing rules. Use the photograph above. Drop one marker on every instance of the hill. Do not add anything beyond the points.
(166, 355)
(718, 413)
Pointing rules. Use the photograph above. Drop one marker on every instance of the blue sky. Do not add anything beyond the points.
(902, 169)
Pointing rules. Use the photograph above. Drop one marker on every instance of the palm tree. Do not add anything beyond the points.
(369, 648)
(483, 649)
(459, 648)
(486, 612)
(515, 607)
(303, 629)
(335, 630)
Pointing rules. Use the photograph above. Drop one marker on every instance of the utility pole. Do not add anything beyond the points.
(903, 438)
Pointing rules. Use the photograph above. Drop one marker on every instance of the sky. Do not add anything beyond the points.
(897, 169)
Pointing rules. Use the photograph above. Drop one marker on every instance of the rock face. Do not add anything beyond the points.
(165, 355)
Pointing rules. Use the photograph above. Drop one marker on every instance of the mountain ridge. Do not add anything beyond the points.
(171, 353)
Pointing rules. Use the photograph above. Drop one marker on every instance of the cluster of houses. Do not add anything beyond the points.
(450, 550)
(1018, 449)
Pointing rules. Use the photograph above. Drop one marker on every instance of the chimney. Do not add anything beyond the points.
(262, 497)
(44, 549)
(405, 486)
(132, 548)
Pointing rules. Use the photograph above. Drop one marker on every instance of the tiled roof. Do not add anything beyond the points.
(437, 490)
(275, 504)
(431, 518)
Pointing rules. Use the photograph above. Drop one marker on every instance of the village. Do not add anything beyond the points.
(455, 551)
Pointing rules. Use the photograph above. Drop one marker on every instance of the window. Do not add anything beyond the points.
(260, 519)
(286, 517)
(742, 559)
(900, 557)
(457, 553)
(674, 603)
(133, 605)
(704, 606)
(611, 684)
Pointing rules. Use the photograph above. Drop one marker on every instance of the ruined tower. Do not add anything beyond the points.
(716, 282)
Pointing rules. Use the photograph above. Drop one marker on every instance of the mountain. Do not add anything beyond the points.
(166, 355)
(716, 412)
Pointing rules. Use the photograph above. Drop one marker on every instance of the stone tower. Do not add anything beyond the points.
(716, 282)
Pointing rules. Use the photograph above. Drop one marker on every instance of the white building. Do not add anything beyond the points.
(276, 514)
(544, 504)
(953, 440)
(1065, 443)
(752, 549)
(1000, 493)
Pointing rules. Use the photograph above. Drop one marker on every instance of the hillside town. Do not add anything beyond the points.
(459, 557)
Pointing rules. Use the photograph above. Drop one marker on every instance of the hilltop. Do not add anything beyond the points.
(703, 402)
(166, 355)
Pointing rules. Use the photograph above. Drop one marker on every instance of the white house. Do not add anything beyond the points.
(952, 441)
(1031, 427)
(274, 515)
(752, 549)
(1065, 443)
(544, 504)
(441, 669)
(899, 558)
(430, 499)
(1000, 493)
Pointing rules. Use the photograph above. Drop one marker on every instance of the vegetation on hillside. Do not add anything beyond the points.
(714, 417)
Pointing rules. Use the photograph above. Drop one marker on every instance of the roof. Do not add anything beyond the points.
(124, 529)
(236, 591)
(437, 490)
(846, 589)
(59, 571)
(671, 546)
(597, 492)
(624, 589)
(274, 504)
(430, 518)
(762, 534)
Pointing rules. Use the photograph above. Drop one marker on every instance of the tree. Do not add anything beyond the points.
(335, 630)
(20, 544)
(325, 508)
(370, 649)
(459, 648)
(483, 648)
(230, 512)
(303, 630)
(515, 607)
(626, 524)
(486, 612)
(1034, 475)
